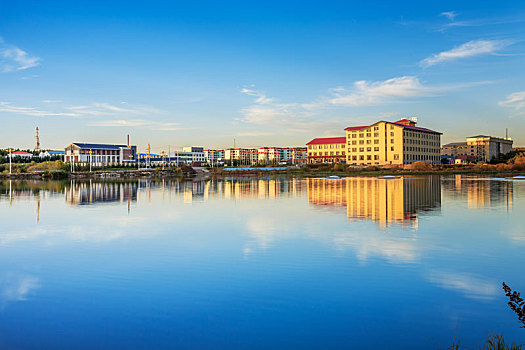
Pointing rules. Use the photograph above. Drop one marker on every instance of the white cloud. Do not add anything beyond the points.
(471, 286)
(366, 93)
(261, 98)
(449, 14)
(134, 123)
(468, 49)
(34, 112)
(286, 117)
(515, 100)
(14, 59)
(106, 109)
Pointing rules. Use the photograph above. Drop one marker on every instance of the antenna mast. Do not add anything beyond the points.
(37, 137)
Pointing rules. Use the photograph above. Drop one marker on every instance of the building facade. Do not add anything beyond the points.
(214, 156)
(485, 148)
(327, 150)
(479, 148)
(396, 143)
(100, 154)
(197, 154)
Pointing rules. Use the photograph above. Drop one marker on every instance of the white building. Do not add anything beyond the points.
(49, 154)
(197, 154)
(100, 154)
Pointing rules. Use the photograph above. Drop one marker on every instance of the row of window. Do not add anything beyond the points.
(333, 145)
(420, 149)
(331, 153)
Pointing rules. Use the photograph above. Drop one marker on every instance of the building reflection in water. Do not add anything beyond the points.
(386, 201)
(89, 192)
(480, 192)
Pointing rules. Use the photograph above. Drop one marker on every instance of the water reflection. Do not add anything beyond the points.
(386, 201)
(480, 192)
(80, 193)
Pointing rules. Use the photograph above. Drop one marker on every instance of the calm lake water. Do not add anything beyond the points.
(271, 263)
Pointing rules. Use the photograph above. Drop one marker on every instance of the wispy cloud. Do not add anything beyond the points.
(515, 100)
(106, 109)
(449, 14)
(34, 112)
(14, 59)
(142, 123)
(307, 117)
(288, 117)
(368, 93)
(468, 49)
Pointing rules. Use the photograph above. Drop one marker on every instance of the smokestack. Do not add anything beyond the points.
(506, 133)
(128, 140)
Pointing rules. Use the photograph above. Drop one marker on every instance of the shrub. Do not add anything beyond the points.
(338, 167)
(420, 165)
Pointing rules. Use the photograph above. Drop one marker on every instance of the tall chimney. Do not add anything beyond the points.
(128, 140)
(506, 133)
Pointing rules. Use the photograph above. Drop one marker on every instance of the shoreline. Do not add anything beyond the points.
(165, 173)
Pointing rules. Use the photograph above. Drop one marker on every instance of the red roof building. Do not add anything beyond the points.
(21, 154)
(326, 150)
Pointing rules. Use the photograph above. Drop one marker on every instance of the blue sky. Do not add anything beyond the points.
(267, 73)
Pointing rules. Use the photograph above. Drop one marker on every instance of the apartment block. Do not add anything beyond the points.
(327, 150)
(396, 143)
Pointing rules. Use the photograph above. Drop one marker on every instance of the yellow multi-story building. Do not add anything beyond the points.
(327, 150)
(395, 143)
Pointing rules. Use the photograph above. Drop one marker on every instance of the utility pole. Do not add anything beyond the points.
(90, 159)
(169, 155)
(10, 156)
(149, 155)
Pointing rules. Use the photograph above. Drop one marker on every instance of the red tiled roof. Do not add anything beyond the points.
(327, 140)
(355, 128)
(22, 153)
(404, 120)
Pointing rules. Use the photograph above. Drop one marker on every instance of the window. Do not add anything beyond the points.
(368, 135)
(354, 149)
(396, 156)
(376, 127)
(368, 157)
(361, 135)
(361, 149)
(392, 134)
(391, 127)
(391, 140)
(368, 142)
(376, 149)
(376, 157)
(392, 148)
(361, 142)
(354, 142)
(361, 157)
(368, 149)
(376, 134)
(354, 136)
(376, 142)
(354, 157)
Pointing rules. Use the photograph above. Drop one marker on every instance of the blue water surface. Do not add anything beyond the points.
(260, 263)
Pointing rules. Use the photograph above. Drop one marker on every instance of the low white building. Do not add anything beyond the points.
(50, 154)
(100, 154)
